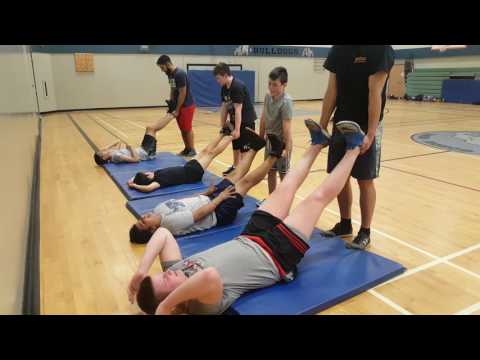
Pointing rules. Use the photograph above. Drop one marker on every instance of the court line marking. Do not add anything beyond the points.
(469, 310)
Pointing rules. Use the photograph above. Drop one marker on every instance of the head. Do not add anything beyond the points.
(277, 81)
(154, 289)
(143, 178)
(165, 64)
(102, 157)
(222, 73)
(142, 230)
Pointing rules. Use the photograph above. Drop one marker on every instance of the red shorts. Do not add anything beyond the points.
(185, 118)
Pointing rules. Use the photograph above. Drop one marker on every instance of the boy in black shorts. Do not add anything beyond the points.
(237, 105)
(267, 251)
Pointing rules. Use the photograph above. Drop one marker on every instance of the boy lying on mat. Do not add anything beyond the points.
(193, 170)
(267, 251)
(217, 206)
(116, 154)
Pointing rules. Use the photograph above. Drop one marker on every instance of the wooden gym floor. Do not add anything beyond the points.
(427, 215)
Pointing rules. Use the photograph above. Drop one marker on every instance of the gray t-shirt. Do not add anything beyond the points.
(276, 112)
(116, 155)
(243, 266)
(177, 215)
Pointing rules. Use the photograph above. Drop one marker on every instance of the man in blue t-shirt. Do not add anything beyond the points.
(181, 104)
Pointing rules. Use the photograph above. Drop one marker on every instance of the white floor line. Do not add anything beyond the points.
(389, 302)
(469, 310)
(114, 128)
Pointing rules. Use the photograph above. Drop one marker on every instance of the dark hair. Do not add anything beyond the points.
(146, 299)
(138, 236)
(164, 60)
(99, 160)
(142, 179)
(221, 69)
(279, 73)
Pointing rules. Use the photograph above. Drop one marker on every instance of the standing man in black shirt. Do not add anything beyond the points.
(357, 91)
(237, 104)
(181, 104)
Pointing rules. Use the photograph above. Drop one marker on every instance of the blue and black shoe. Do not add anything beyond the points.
(352, 132)
(318, 134)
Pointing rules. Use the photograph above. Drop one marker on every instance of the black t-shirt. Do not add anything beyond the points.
(353, 64)
(238, 94)
(177, 80)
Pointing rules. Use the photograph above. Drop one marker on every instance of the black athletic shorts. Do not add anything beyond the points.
(149, 144)
(228, 209)
(286, 247)
(241, 142)
(367, 166)
(191, 172)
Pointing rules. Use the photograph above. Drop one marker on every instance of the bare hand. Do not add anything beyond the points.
(284, 153)
(235, 134)
(367, 142)
(131, 184)
(229, 192)
(162, 310)
(134, 286)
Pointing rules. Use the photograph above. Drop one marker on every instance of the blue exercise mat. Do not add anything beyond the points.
(142, 206)
(121, 173)
(328, 274)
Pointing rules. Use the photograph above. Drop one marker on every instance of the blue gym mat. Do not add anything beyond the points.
(142, 206)
(327, 275)
(121, 173)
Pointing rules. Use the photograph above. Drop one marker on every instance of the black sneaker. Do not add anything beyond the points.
(338, 230)
(187, 153)
(276, 145)
(230, 169)
(361, 241)
(253, 140)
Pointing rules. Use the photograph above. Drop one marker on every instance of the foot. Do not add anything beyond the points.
(253, 140)
(361, 241)
(187, 153)
(353, 133)
(318, 134)
(228, 171)
(227, 129)
(276, 145)
(339, 230)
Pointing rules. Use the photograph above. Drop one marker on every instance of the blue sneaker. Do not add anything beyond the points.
(352, 132)
(318, 134)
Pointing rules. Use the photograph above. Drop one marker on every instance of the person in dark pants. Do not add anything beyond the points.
(181, 104)
(236, 104)
(357, 92)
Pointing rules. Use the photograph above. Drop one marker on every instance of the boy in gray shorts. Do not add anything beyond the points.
(276, 119)
(266, 252)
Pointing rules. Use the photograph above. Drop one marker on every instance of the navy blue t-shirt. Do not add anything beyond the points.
(353, 64)
(238, 94)
(177, 80)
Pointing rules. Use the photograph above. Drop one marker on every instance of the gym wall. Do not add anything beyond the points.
(134, 80)
(18, 132)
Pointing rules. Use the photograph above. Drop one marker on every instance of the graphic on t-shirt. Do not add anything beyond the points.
(191, 267)
(174, 205)
(172, 83)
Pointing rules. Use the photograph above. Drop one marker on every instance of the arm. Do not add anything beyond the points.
(238, 120)
(144, 188)
(376, 82)
(223, 114)
(111, 146)
(287, 135)
(182, 94)
(205, 286)
(206, 210)
(329, 101)
(262, 125)
(209, 191)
